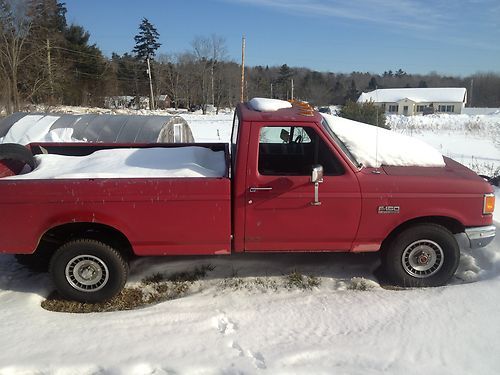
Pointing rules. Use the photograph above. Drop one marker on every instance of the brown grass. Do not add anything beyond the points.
(152, 290)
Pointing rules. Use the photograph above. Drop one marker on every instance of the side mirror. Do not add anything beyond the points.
(317, 174)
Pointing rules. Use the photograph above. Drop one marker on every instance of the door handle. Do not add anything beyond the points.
(255, 189)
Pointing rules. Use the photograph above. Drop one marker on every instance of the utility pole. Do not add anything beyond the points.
(292, 88)
(470, 93)
(152, 98)
(271, 90)
(243, 42)
(49, 66)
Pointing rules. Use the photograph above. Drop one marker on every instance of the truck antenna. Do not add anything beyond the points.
(243, 42)
(376, 131)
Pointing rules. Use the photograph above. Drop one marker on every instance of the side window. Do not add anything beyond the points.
(293, 150)
(287, 134)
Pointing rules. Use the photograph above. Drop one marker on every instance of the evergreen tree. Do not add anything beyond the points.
(285, 75)
(422, 84)
(146, 42)
(372, 85)
(366, 112)
(352, 92)
(88, 65)
(400, 73)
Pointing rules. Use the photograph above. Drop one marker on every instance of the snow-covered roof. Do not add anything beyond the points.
(418, 95)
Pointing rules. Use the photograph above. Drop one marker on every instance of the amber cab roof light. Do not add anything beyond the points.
(305, 109)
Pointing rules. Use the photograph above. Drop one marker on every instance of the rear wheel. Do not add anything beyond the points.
(88, 271)
(424, 255)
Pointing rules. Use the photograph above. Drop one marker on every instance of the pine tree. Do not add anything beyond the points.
(372, 85)
(285, 75)
(146, 42)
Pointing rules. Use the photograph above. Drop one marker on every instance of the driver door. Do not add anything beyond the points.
(280, 214)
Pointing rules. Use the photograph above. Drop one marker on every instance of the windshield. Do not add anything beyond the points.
(339, 143)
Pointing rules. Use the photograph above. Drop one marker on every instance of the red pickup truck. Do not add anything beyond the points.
(290, 185)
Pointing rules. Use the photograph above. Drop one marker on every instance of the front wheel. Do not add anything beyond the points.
(424, 255)
(88, 271)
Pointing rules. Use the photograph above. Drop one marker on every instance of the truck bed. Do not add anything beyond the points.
(158, 215)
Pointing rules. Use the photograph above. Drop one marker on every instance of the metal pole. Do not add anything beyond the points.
(470, 93)
(152, 98)
(292, 88)
(243, 42)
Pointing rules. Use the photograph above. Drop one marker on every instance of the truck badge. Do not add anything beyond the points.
(388, 209)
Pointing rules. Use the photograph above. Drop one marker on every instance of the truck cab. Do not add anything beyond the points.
(279, 207)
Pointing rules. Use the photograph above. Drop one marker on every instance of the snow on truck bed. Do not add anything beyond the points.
(131, 163)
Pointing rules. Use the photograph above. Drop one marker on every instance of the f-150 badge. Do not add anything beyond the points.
(388, 209)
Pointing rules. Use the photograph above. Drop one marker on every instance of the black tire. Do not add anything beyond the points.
(71, 264)
(424, 255)
(17, 152)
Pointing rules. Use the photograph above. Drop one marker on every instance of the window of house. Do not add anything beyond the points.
(293, 150)
(420, 108)
(446, 108)
(393, 108)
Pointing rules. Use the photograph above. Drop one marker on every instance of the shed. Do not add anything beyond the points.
(24, 128)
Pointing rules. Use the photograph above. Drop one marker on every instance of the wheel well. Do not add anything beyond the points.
(453, 225)
(57, 236)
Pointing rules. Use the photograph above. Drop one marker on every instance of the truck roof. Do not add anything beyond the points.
(299, 112)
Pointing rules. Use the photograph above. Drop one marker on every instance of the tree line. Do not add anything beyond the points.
(45, 60)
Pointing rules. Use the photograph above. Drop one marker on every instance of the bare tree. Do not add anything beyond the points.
(14, 31)
(209, 52)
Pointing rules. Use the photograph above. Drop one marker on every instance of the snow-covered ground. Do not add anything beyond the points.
(233, 321)
(473, 140)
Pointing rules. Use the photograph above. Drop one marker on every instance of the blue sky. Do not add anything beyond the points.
(452, 37)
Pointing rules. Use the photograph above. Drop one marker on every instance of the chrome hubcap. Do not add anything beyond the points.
(87, 273)
(422, 258)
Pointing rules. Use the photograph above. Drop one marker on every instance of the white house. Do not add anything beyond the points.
(416, 101)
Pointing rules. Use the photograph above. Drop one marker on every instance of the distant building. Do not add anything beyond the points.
(163, 102)
(418, 101)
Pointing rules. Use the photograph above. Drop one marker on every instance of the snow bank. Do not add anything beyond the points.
(268, 105)
(471, 140)
(375, 147)
(480, 111)
(131, 163)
